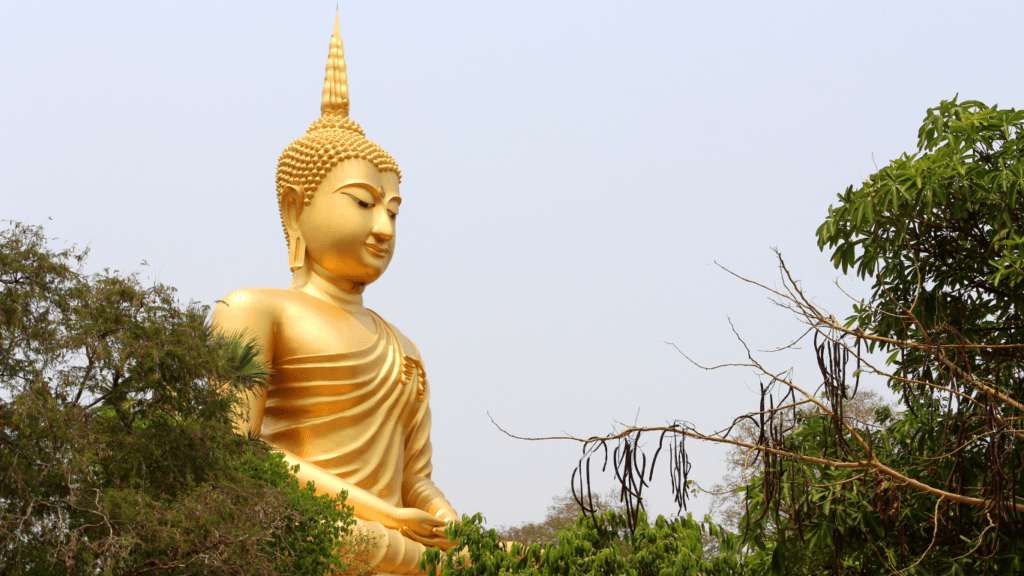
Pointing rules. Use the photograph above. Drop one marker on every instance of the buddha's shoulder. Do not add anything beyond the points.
(251, 299)
(408, 346)
(246, 304)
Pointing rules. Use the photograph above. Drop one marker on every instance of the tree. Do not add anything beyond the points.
(567, 509)
(562, 514)
(940, 232)
(728, 502)
(118, 452)
(936, 487)
(598, 543)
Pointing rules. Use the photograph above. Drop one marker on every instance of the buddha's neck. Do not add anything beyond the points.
(319, 286)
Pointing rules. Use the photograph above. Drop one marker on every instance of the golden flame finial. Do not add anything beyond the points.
(335, 98)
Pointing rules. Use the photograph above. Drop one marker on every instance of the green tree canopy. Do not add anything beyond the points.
(118, 451)
(599, 543)
(940, 233)
(937, 488)
(934, 485)
(562, 514)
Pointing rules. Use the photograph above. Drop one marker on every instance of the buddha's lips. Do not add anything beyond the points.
(376, 250)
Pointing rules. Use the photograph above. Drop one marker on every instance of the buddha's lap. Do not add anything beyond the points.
(392, 552)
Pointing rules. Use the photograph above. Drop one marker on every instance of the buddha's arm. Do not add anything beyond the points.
(413, 523)
(433, 502)
(241, 313)
(418, 489)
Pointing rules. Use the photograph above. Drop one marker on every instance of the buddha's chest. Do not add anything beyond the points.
(324, 351)
(323, 330)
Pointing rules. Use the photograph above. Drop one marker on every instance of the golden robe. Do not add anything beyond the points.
(363, 416)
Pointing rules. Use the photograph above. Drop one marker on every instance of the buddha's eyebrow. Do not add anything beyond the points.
(379, 194)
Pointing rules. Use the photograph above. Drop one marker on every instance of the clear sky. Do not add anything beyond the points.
(571, 170)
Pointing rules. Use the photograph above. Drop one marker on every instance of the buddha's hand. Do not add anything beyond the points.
(417, 525)
(443, 510)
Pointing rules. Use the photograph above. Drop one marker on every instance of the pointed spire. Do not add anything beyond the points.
(335, 97)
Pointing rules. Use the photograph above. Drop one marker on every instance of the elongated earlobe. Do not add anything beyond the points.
(291, 210)
(296, 252)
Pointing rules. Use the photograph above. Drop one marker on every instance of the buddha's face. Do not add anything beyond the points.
(349, 227)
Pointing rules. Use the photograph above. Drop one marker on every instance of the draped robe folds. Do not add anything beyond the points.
(364, 417)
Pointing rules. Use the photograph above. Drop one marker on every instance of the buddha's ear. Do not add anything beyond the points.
(292, 204)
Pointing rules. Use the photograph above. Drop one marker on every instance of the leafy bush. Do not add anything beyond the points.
(118, 451)
(597, 544)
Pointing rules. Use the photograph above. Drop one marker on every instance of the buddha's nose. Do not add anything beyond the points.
(383, 228)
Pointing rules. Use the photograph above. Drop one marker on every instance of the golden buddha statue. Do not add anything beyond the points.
(348, 399)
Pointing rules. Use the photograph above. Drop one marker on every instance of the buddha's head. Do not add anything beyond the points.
(338, 191)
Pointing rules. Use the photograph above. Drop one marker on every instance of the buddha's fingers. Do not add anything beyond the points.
(423, 531)
(447, 515)
(435, 541)
(416, 520)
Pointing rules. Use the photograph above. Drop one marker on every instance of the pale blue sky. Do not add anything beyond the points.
(570, 172)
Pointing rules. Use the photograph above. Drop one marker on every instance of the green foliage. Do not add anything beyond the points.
(118, 451)
(939, 231)
(562, 514)
(728, 504)
(845, 521)
(599, 544)
(930, 486)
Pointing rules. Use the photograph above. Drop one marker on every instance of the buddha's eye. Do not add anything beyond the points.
(393, 216)
(358, 197)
